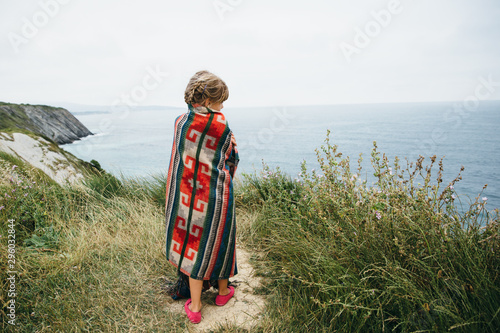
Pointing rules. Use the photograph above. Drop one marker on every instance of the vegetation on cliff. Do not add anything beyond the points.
(88, 256)
(336, 253)
(343, 256)
(56, 124)
(60, 165)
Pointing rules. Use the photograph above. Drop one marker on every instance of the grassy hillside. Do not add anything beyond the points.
(88, 257)
(337, 254)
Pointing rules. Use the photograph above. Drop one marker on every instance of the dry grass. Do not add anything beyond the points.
(104, 273)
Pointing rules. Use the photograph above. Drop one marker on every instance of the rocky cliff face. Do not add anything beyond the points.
(58, 164)
(57, 124)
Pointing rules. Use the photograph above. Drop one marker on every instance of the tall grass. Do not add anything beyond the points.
(89, 257)
(338, 254)
(343, 255)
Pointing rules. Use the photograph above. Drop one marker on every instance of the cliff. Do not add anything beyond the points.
(46, 156)
(57, 124)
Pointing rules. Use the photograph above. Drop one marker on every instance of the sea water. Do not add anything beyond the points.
(138, 142)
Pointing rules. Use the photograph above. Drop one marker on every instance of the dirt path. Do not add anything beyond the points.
(242, 311)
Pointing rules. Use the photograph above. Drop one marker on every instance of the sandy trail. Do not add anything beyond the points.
(243, 310)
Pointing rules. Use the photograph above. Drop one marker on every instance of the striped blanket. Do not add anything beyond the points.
(200, 217)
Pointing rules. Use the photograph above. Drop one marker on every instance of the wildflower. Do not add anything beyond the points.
(14, 167)
(2, 207)
(451, 187)
(292, 192)
(390, 171)
(485, 199)
(25, 194)
(453, 196)
(378, 215)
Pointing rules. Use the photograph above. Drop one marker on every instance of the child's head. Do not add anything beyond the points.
(206, 88)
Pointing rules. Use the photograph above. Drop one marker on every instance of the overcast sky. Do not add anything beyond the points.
(269, 52)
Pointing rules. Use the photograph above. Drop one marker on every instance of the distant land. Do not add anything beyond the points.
(79, 108)
(54, 123)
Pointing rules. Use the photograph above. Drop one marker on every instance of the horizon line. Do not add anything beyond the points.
(241, 106)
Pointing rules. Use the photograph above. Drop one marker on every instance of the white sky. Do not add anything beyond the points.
(269, 52)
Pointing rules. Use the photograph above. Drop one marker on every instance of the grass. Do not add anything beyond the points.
(89, 257)
(337, 254)
(399, 256)
(16, 119)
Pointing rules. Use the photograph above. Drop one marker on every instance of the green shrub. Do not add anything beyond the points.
(104, 184)
(398, 256)
(96, 165)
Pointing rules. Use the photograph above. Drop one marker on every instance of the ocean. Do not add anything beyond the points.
(138, 142)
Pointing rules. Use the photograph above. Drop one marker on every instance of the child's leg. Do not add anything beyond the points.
(223, 290)
(195, 287)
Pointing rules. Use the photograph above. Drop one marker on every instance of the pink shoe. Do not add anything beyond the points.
(222, 300)
(194, 317)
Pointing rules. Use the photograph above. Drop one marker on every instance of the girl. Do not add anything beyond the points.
(200, 218)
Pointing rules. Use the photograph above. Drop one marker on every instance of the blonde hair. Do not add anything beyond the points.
(205, 85)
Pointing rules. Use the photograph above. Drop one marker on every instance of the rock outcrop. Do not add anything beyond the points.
(57, 124)
(58, 164)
